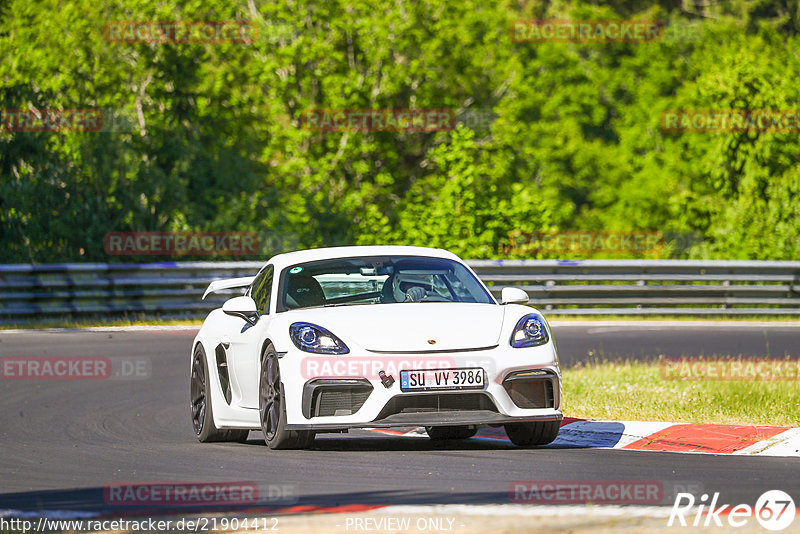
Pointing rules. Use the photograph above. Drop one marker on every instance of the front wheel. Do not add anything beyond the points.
(202, 411)
(272, 409)
(529, 434)
(450, 432)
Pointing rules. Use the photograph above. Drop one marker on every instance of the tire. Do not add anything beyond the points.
(272, 407)
(530, 434)
(450, 432)
(201, 407)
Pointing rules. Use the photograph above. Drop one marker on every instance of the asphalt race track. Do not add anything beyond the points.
(583, 340)
(62, 441)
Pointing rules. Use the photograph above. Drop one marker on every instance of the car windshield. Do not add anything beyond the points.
(379, 280)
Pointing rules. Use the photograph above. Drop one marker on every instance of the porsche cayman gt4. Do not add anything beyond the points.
(331, 339)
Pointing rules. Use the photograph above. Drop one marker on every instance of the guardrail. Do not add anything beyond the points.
(651, 287)
(569, 287)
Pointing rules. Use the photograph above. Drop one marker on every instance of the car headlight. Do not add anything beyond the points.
(529, 332)
(312, 338)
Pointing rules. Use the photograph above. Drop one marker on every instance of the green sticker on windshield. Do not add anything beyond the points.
(295, 270)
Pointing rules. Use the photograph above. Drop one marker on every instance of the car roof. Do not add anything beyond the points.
(301, 256)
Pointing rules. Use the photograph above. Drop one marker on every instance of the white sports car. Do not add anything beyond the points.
(372, 337)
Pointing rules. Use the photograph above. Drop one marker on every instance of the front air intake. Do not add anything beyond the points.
(531, 389)
(334, 397)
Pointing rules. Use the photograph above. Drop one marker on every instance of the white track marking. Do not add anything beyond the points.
(786, 443)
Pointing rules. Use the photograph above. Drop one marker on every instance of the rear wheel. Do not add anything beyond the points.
(272, 409)
(528, 434)
(202, 411)
(450, 432)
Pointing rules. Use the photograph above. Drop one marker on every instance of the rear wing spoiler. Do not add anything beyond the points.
(228, 283)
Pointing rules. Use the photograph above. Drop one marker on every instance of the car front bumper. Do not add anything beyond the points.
(329, 393)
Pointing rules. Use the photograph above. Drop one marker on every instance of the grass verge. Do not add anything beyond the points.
(636, 391)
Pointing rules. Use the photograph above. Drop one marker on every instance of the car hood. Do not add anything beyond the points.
(410, 327)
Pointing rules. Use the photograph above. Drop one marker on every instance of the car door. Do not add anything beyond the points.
(245, 343)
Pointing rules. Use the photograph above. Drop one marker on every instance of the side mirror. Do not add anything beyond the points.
(513, 295)
(244, 307)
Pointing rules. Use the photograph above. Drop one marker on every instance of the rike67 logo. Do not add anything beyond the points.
(774, 510)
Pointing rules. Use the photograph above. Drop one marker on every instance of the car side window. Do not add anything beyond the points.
(262, 289)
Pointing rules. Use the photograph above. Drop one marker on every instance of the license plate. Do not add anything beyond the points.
(438, 379)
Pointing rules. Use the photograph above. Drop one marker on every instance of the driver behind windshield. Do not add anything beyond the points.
(378, 280)
(407, 291)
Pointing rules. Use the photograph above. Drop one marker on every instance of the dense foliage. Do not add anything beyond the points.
(211, 139)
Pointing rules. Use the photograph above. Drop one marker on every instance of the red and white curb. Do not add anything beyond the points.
(658, 436)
